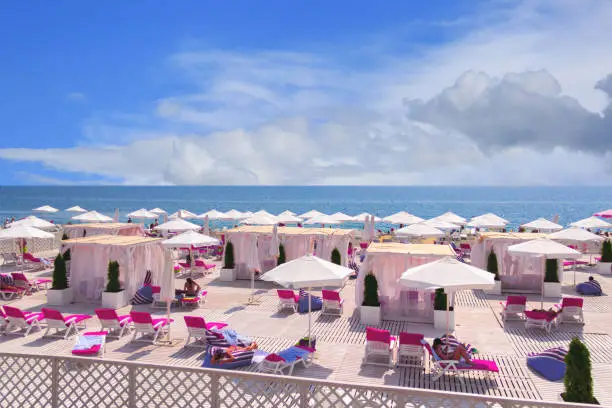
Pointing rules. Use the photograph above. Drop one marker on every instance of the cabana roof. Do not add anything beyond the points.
(410, 249)
(511, 235)
(100, 225)
(112, 240)
(267, 229)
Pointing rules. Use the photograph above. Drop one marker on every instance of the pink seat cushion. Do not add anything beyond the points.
(215, 325)
(87, 352)
(483, 365)
(125, 319)
(274, 358)
(76, 318)
(157, 323)
(43, 280)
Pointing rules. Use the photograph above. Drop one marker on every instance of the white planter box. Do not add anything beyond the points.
(114, 300)
(440, 322)
(227, 275)
(552, 289)
(495, 290)
(370, 315)
(605, 268)
(59, 297)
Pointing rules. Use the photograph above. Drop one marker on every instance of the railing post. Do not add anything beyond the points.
(215, 387)
(55, 375)
(132, 385)
(304, 394)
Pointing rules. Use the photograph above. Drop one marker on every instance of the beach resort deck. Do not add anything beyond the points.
(170, 374)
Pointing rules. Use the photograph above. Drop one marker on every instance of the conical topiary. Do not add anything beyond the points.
(440, 300)
(552, 268)
(606, 251)
(60, 278)
(228, 262)
(282, 257)
(336, 257)
(370, 291)
(492, 264)
(578, 380)
(113, 284)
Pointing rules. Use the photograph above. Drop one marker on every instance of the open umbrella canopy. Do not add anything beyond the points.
(575, 235)
(310, 214)
(177, 225)
(190, 239)
(288, 219)
(542, 224)
(264, 212)
(363, 217)
(142, 213)
(308, 272)
(441, 225)
(419, 231)
(488, 220)
(46, 209)
(591, 222)
(342, 217)
(183, 214)
(447, 273)
(233, 215)
(322, 219)
(92, 216)
(212, 215)
(76, 209)
(24, 232)
(604, 214)
(158, 211)
(544, 247)
(452, 218)
(403, 217)
(287, 212)
(260, 219)
(32, 221)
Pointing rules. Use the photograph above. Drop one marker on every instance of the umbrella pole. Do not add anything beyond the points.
(190, 262)
(447, 316)
(542, 288)
(309, 317)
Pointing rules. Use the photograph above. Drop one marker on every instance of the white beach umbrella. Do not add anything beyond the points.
(341, 217)
(544, 247)
(46, 209)
(542, 224)
(234, 215)
(206, 227)
(92, 216)
(310, 214)
(575, 235)
(308, 272)
(441, 225)
(32, 221)
(212, 215)
(264, 212)
(183, 214)
(403, 217)
(76, 209)
(158, 211)
(322, 219)
(489, 220)
(143, 213)
(177, 225)
(260, 219)
(591, 222)
(190, 239)
(363, 217)
(288, 219)
(419, 231)
(24, 232)
(287, 212)
(247, 214)
(452, 218)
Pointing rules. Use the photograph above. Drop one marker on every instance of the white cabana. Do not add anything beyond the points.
(310, 214)
(418, 231)
(308, 272)
(488, 221)
(542, 225)
(441, 225)
(322, 220)
(182, 214)
(76, 209)
(106, 228)
(33, 221)
(452, 218)
(403, 217)
(177, 225)
(591, 223)
(142, 214)
(212, 215)
(288, 219)
(92, 216)
(363, 217)
(158, 211)
(341, 217)
(234, 215)
(46, 209)
(260, 219)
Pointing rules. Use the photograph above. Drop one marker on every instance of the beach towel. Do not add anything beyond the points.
(6, 279)
(316, 302)
(453, 343)
(226, 338)
(143, 296)
(228, 357)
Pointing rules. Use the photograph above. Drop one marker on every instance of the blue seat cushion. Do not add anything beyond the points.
(587, 288)
(550, 368)
(316, 304)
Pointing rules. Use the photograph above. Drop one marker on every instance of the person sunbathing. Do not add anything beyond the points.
(191, 289)
(459, 353)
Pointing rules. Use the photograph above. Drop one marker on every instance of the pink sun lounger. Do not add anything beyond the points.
(22, 320)
(441, 367)
(332, 304)
(570, 310)
(21, 281)
(58, 322)
(113, 323)
(145, 325)
(514, 307)
(379, 343)
(410, 351)
(197, 328)
(90, 344)
(287, 299)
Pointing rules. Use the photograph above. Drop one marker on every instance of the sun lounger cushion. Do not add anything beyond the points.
(484, 365)
(294, 353)
(589, 288)
(143, 296)
(316, 302)
(550, 363)
(89, 343)
(233, 359)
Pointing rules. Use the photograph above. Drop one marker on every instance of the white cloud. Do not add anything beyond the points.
(522, 115)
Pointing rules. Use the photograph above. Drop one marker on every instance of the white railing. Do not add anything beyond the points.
(51, 381)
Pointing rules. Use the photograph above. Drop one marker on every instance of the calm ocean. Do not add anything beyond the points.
(517, 204)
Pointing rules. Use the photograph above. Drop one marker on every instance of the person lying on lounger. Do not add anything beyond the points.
(459, 353)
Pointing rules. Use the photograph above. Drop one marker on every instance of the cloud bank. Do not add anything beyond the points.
(505, 104)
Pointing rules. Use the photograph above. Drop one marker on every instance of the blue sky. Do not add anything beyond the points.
(109, 75)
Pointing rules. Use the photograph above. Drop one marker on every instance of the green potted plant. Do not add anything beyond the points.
(552, 286)
(493, 267)
(443, 319)
(114, 295)
(578, 380)
(605, 264)
(369, 311)
(282, 257)
(228, 272)
(336, 257)
(60, 293)
(67, 255)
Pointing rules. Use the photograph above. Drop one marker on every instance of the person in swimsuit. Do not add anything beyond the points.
(460, 353)
(191, 289)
